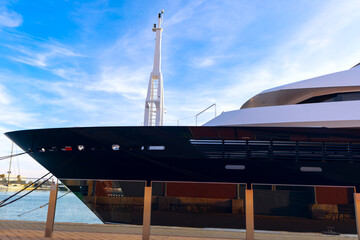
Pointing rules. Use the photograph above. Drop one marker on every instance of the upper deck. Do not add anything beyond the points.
(318, 89)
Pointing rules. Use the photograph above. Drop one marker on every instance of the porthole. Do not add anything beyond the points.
(156, 148)
(41, 149)
(115, 147)
(52, 149)
(311, 169)
(235, 167)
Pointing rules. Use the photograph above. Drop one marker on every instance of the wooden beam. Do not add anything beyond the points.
(357, 211)
(249, 211)
(147, 212)
(51, 210)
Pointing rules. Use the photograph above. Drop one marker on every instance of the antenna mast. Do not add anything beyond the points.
(154, 104)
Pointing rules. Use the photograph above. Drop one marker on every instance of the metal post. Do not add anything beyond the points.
(213, 105)
(51, 210)
(9, 172)
(357, 211)
(237, 191)
(249, 206)
(147, 213)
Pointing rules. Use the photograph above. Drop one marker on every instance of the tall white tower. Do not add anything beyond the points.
(154, 104)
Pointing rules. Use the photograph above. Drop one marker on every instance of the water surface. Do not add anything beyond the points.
(68, 209)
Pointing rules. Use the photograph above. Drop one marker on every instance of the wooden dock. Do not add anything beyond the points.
(36, 230)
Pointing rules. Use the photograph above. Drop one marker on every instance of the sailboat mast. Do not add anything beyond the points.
(9, 172)
(154, 104)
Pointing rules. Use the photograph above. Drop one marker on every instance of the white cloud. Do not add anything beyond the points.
(204, 62)
(4, 97)
(12, 114)
(16, 118)
(36, 62)
(73, 104)
(65, 96)
(130, 83)
(72, 74)
(43, 55)
(9, 18)
(184, 13)
(326, 43)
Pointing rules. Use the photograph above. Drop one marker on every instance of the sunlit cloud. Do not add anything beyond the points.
(129, 83)
(204, 62)
(184, 12)
(9, 18)
(320, 46)
(42, 56)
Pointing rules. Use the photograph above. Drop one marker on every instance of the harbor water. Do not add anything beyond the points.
(68, 209)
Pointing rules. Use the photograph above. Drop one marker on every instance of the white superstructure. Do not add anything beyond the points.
(154, 104)
(331, 100)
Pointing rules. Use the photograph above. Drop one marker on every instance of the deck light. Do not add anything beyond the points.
(41, 149)
(116, 147)
(157, 148)
(67, 148)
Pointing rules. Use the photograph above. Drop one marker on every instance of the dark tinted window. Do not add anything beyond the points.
(335, 97)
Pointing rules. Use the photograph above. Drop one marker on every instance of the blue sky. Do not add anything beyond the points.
(87, 63)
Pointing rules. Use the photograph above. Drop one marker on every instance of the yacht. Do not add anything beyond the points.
(301, 134)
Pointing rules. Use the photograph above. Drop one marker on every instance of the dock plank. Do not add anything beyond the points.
(25, 230)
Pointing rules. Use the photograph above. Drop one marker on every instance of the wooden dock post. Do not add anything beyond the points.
(249, 212)
(147, 212)
(51, 210)
(357, 209)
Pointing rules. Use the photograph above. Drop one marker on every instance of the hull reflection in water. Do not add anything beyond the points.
(279, 208)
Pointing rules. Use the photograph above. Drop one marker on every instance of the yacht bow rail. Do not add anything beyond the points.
(13, 155)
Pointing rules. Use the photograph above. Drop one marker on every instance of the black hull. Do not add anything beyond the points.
(228, 155)
(295, 156)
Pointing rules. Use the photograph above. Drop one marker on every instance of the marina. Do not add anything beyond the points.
(285, 165)
(69, 208)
